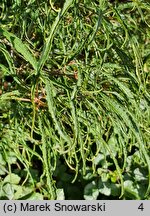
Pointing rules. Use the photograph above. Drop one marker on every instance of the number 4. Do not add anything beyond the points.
(141, 207)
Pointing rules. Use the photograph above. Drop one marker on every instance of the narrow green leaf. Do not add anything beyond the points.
(49, 40)
(8, 59)
(52, 109)
(20, 47)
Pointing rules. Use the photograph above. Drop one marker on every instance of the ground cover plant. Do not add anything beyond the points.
(74, 99)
